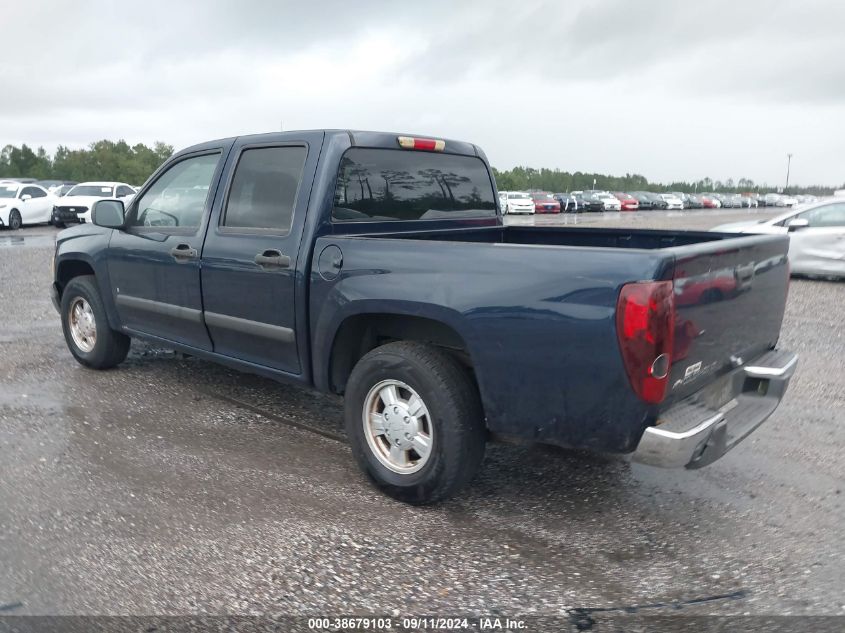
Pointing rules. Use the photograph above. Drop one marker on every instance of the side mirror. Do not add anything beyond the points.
(26, 197)
(796, 224)
(109, 214)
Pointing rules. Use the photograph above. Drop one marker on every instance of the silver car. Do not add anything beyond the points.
(816, 236)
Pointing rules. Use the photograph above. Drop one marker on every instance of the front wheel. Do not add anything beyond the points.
(15, 221)
(86, 327)
(415, 422)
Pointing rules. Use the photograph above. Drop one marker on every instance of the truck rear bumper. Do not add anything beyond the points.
(700, 429)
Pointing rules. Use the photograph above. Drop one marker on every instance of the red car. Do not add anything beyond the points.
(629, 202)
(545, 203)
(708, 203)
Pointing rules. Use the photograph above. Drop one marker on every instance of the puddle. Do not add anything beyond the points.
(28, 241)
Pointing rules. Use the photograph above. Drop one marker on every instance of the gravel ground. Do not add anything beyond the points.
(149, 490)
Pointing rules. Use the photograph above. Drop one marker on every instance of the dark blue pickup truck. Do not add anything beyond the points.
(377, 266)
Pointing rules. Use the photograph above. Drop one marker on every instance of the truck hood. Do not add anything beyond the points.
(79, 230)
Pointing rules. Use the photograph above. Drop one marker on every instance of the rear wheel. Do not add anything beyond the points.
(414, 422)
(15, 221)
(86, 327)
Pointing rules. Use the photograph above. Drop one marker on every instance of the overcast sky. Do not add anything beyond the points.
(664, 88)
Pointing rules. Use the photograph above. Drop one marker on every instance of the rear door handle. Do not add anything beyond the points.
(272, 259)
(184, 251)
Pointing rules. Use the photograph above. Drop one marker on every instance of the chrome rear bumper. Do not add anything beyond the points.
(698, 430)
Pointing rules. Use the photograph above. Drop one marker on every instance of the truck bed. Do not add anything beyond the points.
(537, 308)
(642, 239)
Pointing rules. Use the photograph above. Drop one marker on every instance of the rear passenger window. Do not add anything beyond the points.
(263, 191)
(388, 184)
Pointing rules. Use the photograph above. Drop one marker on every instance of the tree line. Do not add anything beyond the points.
(103, 160)
(555, 180)
(118, 161)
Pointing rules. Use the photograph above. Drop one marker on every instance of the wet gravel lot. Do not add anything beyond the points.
(149, 489)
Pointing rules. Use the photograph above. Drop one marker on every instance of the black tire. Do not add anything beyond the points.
(15, 221)
(110, 347)
(452, 400)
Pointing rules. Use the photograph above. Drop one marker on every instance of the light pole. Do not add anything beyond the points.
(788, 165)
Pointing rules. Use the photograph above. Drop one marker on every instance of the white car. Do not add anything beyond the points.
(610, 202)
(816, 236)
(774, 200)
(672, 201)
(75, 205)
(518, 202)
(22, 203)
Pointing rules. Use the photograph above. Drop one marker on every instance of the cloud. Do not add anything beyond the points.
(671, 90)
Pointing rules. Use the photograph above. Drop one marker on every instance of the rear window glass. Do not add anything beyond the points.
(264, 188)
(387, 184)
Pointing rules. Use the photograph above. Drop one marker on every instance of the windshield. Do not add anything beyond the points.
(8, 191)
(98, 191)
(519, 196)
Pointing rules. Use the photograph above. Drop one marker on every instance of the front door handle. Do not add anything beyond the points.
(272, 259)
(183, 251)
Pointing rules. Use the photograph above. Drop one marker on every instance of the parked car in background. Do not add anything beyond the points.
(643, 200)
(627, 201)
(709, 202)
(569, 203)
(658, 203)
(609, 201)
(75, 205)
(750, 200)
(589, 201)
(518, 202)
(672, 201)
(728, 201)
(695, 201)
(721, 198)
(789, 201)
(816, 236)
(683, 197)
(545, 202)
(774, 200)
(23, 203)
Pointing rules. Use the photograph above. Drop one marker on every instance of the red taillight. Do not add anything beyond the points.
(645, 325)
(427, 144)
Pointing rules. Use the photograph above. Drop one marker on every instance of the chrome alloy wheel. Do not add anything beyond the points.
(398, 427)
(83, 326)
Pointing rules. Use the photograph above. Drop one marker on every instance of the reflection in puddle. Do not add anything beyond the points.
(32, 240)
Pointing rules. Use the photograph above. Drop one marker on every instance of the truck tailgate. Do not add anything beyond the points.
(730, 297)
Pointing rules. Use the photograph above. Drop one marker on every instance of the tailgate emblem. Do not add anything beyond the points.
(692, 370)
